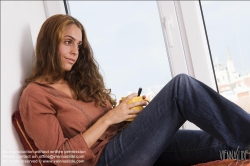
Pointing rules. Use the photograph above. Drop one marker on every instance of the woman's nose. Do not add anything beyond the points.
(75, 49)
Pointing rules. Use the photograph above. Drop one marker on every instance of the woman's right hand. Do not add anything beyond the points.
(123, 111)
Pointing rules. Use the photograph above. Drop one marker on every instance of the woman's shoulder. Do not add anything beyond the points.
(35, 89)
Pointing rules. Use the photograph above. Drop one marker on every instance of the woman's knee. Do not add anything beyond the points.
(182, 76)
(181, 79)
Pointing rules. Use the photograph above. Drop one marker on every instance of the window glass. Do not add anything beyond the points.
(227, 24)
(128, 44)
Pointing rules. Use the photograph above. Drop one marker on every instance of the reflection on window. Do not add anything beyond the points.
(227, 24)
(128, 44)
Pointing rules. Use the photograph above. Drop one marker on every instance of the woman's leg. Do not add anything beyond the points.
(183, 98)
(189, 147)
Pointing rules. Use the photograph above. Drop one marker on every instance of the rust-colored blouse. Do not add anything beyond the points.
(56, 122)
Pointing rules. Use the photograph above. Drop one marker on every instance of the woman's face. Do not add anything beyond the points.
(68, 47)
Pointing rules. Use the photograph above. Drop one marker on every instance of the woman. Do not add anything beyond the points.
(70, 115)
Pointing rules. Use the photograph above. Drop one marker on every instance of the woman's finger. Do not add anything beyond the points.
(139, 103)
(131, 116)
(130, 112)
(130, 97)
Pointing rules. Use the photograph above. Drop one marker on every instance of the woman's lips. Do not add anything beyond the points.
(72, 61)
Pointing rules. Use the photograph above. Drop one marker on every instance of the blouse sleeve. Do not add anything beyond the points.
(41, 124)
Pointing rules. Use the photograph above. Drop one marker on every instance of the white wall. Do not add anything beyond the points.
(20, 24)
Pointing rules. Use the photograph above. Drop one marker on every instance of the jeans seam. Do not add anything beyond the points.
(155, 120)
(195, 149)
(124, 149)
(207, 119)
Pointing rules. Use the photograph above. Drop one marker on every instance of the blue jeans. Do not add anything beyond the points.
(154, 138)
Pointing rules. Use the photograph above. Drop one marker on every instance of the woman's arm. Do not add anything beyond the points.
(95, 131)
(43, 127)
(114, 116)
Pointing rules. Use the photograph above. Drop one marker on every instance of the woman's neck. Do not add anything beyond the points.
(44, 80)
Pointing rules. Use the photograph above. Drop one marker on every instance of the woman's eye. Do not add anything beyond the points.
(67, 42)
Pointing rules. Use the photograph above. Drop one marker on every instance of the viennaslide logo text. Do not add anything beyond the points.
(233, 154)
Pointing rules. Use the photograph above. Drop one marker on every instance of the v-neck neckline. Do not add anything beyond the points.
(54, 89)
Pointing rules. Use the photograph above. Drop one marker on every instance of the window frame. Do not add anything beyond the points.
(193, 39)
(54, 7)
(192, 43)
(172, 37)
(197, 42)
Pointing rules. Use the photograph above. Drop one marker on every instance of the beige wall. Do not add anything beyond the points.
(20, 24)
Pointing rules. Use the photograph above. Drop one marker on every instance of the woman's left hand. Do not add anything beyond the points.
(123, 111)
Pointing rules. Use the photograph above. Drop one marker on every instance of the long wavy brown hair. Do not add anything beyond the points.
(84, 78)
